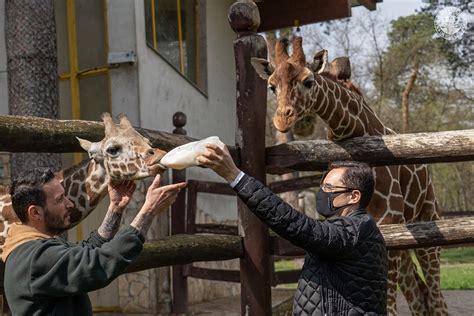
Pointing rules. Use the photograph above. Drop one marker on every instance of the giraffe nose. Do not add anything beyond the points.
(151, 152)
(289, 112)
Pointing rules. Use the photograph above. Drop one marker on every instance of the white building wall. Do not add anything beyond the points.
(151, 91)
(122, 38)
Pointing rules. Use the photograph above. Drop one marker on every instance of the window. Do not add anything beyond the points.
(175, 29)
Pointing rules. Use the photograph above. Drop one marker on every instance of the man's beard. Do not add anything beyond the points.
(54, 224)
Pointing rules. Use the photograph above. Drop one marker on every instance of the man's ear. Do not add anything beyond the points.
(35, 213)
(356, 195)
(263, 67)
(320, 62)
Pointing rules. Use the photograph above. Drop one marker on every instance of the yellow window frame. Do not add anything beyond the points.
(75, 74)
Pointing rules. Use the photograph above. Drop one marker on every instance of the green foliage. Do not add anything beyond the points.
(457, 255)
(413, 43)
(453, 185)
(435, 101)
(412, 37)
(464, 47)
(457, 277)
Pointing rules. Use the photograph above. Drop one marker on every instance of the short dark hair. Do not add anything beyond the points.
(358, 175)
(27, 189)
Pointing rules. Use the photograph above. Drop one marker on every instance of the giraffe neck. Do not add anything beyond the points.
(346, 112)
(85, 185)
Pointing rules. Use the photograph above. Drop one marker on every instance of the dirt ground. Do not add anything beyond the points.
(459, 303)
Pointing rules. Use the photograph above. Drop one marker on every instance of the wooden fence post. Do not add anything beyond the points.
(255, 272)
(178, 226)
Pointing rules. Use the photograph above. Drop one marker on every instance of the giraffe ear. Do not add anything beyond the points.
(263, 67)
(320, 62)
(93, 149)
(340, 68)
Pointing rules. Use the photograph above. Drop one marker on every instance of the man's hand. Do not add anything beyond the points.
(220, 161)
(158, 199)
(121, 193)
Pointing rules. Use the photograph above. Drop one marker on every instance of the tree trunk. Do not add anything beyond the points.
(32, 67)
(406, 97)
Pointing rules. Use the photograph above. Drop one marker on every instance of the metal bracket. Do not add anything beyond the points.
(117, 58)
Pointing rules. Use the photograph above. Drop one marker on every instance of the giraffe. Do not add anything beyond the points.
(403, 194)
(123, 154)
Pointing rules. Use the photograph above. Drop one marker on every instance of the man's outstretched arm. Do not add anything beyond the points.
(120, 195)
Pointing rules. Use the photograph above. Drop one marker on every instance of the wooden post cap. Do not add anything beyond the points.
(179, 119)
(244, 17)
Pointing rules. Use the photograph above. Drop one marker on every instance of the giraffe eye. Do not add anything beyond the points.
(272, 87)
(308, 83)
(113, 150)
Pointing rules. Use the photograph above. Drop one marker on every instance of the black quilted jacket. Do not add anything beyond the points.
(345, 269)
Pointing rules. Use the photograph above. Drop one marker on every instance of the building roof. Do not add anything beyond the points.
(278, 14)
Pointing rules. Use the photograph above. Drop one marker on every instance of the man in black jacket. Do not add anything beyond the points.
(45, 274)
(345, 269)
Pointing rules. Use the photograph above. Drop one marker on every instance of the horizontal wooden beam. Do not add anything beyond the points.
(300, 183)
(426, 234)
(375, 150)
(212, 274)
(35, 134)
(277, 14)
(285, 277)
(32, 134)
(217, 229)
(211, 187)
(184, 249)
(371, 5)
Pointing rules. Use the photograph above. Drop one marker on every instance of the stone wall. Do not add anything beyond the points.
(205, 290)
(146, 291)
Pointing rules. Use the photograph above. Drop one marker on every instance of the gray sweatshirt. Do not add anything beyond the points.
(52, 276)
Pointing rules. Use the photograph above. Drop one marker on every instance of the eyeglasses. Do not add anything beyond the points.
(326, 187)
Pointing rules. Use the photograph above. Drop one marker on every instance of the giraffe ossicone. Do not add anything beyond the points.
(123, 154)
(403, 194)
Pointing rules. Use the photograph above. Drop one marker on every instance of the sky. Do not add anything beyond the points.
(395, 8)
(361, 44)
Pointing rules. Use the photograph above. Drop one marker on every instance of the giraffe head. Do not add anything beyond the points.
(293, 82)
(124, 153)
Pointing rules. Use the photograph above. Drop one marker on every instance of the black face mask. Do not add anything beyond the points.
(324, 202)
